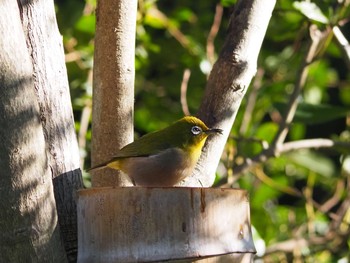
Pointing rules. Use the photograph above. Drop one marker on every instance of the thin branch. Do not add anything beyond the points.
(84, 125)
(343, 216)
(316, 37)
(249, 162)
(343, 42)
(333, 236)
(343, 211)
(275, 185)
(73, 55)
(263, 143)
(251, 101)
(184, 86)
(309, 207)
(173, 30)
(299, 243)
(335, 199)
(312, 144)
(213, 32)
(273, 150)
(289, 147)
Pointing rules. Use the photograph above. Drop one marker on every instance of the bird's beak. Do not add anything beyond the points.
(213, 131)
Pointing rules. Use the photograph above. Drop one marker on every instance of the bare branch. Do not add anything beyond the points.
(173, 30)
(274, 149)
(249, 162)
(251, 101)
(288, 147)
(299, 243)
(275, 185)
(343, 42)
(316, 38)
(343, 211)
(83, 128)
(85, 121)
(184, 86)
(334, 200)
(213, 32)
(330, 240)
(311, 144)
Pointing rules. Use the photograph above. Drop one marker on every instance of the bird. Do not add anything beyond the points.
(165, 157)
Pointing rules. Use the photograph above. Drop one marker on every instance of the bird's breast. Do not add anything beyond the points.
(166, 168)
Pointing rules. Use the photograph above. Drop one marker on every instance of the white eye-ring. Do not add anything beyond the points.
(196, 130)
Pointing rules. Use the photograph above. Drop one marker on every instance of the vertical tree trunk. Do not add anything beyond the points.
(229, 80)
(28, 220)
(44, 43)
(113, 95)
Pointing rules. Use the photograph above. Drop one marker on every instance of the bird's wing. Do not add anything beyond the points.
(145, 146)
(142, 147)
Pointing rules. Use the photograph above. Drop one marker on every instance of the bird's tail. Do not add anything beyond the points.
(97, 167)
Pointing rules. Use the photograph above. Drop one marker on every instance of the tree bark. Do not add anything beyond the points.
(28, 220)
(229, 81)
(44, 43)
(130, 224)
(113, 94)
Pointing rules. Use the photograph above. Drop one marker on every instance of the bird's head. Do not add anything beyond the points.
(190, 133)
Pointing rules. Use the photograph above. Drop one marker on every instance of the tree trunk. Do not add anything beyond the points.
(113, 94)
(133, 224)
(44, 43)
(229, 81)
(28, 220)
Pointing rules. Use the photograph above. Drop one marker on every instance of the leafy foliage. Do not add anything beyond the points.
(299, 195)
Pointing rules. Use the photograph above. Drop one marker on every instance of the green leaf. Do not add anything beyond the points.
(86, 24)
(314, 162)
(314, 114)
(297, 131)
(311, 11)
(154, 19)
(227, 3)
(263, 194)
(267, 131)
(185, 14)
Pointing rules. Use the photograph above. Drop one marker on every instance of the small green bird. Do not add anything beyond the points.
(164, 157)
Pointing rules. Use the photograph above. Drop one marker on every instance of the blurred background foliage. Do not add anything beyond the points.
(299, 198)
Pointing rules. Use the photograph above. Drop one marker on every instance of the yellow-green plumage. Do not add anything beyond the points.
(164, 157)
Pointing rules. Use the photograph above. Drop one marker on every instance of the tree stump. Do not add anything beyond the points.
(140, 224)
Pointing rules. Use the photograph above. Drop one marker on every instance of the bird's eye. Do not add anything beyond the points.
(196, 130)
